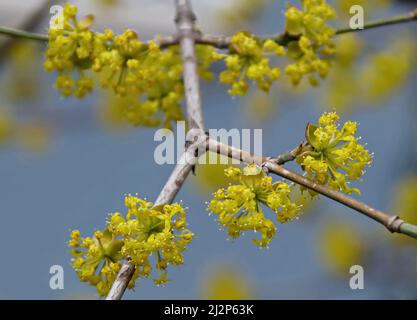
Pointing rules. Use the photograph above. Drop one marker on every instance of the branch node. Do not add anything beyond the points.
(185, 14)
(394, 223)
(264, 165)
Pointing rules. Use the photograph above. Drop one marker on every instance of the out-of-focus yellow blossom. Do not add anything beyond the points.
(120, 110)
(111, 111)
(387, 71)
(343, 78)
(314, 40)
(238, 206)
(33, 135)
(225, 283)
(70, 50)
(247, 61)
(210, 175)
(22, 70)
(240, 12)
(6, 125)
(341, 246)
(349, 47)
(374, 79)
(97, 259)
(146, 231)
(405, 202)
(206, 56)
(152, 231)
(261, 106)
(333, 155)
(108, 3)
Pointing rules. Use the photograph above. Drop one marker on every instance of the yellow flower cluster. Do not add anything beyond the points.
(239, 206)
(247, 61)
(147, 79)
(146, 231)
(308, 39)
(158, 231)
(71, 48)
(314, 40)
(331, 150)
(97, 259)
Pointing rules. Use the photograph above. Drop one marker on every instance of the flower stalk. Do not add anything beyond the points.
(408, 17)
(12, 32)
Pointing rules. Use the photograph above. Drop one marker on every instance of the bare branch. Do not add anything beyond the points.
(23, 34)
(119, 285)
(220, 41)
(185, 23)
(185, 20)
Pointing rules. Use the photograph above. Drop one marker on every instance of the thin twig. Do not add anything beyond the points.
(12, 32)
(408, 17)
(392, 223)
(29, 24)
(291, 155)
(223, 42)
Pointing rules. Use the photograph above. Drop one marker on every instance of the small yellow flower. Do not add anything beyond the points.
(334, 154)
(70, 50)
(96, 260)
(314, 40)
(151, 231)
(247, 60)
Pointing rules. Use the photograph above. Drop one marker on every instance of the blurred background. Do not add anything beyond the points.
(67, 163)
